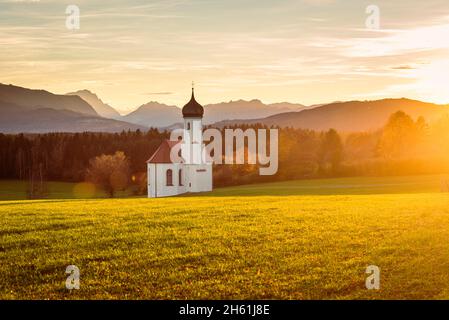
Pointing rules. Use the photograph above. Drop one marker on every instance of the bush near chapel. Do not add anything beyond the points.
(109, 172)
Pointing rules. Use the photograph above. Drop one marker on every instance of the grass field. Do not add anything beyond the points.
(293, 240)
(17, 190)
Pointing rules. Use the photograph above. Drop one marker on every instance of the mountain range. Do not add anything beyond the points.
(154, 114)
(36, 111)
(27, 110)
(349, 116)
(37, 99)
(100, 107)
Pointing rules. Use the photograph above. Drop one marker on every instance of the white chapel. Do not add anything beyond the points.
(191, 173)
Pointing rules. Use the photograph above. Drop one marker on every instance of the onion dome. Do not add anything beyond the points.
(192, 109)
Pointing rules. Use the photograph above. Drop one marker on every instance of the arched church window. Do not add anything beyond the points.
(169, 177)
(180, 178)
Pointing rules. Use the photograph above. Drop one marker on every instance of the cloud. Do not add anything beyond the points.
(302, 51)
(396, 42)
(14, 1)
(158, 93)
(319, 2)
(405, 67)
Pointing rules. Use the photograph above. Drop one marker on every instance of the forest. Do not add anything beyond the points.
(404, 146)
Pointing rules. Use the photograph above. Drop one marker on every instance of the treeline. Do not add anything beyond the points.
(66, 156)
(403, 146)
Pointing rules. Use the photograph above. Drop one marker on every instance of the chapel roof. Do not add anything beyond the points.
(162, 154)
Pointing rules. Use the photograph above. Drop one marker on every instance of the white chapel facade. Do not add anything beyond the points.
(192, 173)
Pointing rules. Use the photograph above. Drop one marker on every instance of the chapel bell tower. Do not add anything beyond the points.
(192, 147)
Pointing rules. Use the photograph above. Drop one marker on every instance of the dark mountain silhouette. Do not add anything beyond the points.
(16, 119)
(33, 111)
(26, 110)
(349, 116)
(38, 99)
(159, 115)
(100, 107)
(242, 109)
(154, 114)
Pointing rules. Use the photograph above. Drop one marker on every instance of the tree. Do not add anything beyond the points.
(109, 172)
(331, 150)
(37, 185)
(399, 136)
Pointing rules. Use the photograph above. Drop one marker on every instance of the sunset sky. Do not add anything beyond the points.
(305, 51)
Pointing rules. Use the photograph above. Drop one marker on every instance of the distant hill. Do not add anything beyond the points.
(27, 110)
(349, 116)
(100, 107)
(35, 111)
(16, 119)
(242, 109)
(37, 99)
(160, 115)
(154, 114)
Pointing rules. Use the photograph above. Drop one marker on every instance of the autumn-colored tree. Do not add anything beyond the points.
(109, 172)
(400, 135)
(360, 146)
(331, 150)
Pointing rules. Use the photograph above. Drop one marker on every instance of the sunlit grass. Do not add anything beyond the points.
(298, 246)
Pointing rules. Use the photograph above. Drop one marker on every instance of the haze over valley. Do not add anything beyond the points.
(35, 111)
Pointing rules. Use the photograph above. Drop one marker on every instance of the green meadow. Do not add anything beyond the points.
(292, 240)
